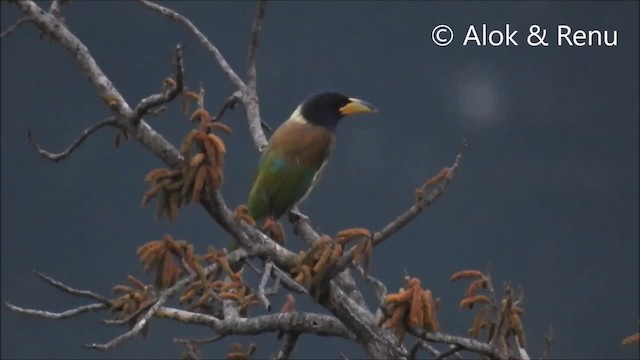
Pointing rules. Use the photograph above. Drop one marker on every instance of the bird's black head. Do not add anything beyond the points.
(327, 108)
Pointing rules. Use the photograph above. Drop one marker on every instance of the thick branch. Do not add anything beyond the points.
(462, 342)
(323, 325)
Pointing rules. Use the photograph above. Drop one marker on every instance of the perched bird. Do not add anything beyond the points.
(298, 152)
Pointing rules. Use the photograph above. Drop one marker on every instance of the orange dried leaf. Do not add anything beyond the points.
(348, 234)
(430, 306)
(475, 286)
(169, 82)
(201, 114)
(156, 174)
(199, 183)
(436, 179)
(137, 282)
(470, 301)
(191, 95)
(396, 318)
(416, 311)
(464, 274)
(197, 159)
(289, 304)
(220, 126)
(517, 310)
(402, 296)
(630, 340)
(478, 323)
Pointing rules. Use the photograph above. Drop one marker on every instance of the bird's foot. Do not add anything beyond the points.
(242, 213)
(274, 230)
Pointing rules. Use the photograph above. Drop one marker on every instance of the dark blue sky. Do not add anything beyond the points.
(548, 192)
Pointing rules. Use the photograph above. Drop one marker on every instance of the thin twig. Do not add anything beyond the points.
(275, 288)
(380, 290)
(256, 28)
(464, 343)
(80, 293)
(421, 344)
(13, 27)
(57, 315)
(135, 330)
(454, 349)
(421, 204)
(548, 341)
(56, 7)
(288, 282)
(263, 284)
(174, 15)
(208, 340)
(250, 94)
(145, 306)
(229, 104)
(288, 345)
(168, 94)
(69, 150)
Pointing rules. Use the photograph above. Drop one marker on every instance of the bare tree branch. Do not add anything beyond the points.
(421, 344)
(256, 28)
(301, 322)
(13, 27)
(171, 14)
(56, 157)
(57, 315)
(288, 346)
(250, 99)
(69, 290)
(453, 350)
(421, 204)
(168, 94)
(263, 284)
(464, 343)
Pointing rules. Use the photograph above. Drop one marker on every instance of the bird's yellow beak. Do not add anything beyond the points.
(357, 106)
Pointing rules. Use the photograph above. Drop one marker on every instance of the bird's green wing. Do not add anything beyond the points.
(278, 186)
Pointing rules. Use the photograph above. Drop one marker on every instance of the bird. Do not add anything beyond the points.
(298, 152)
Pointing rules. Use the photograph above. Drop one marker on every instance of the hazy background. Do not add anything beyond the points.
(548, 192)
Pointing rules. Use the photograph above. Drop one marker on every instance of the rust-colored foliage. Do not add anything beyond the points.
(411, 306)
(166, 185)
(363, 249)
(204, 294)
(632, 339)
(161, 257)
(313, 265)
(238, 352)
(465, 274)
(508, 322)
(421, 191)
(199, 173)
(132, 299)
(287, 307)
(475, 299)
